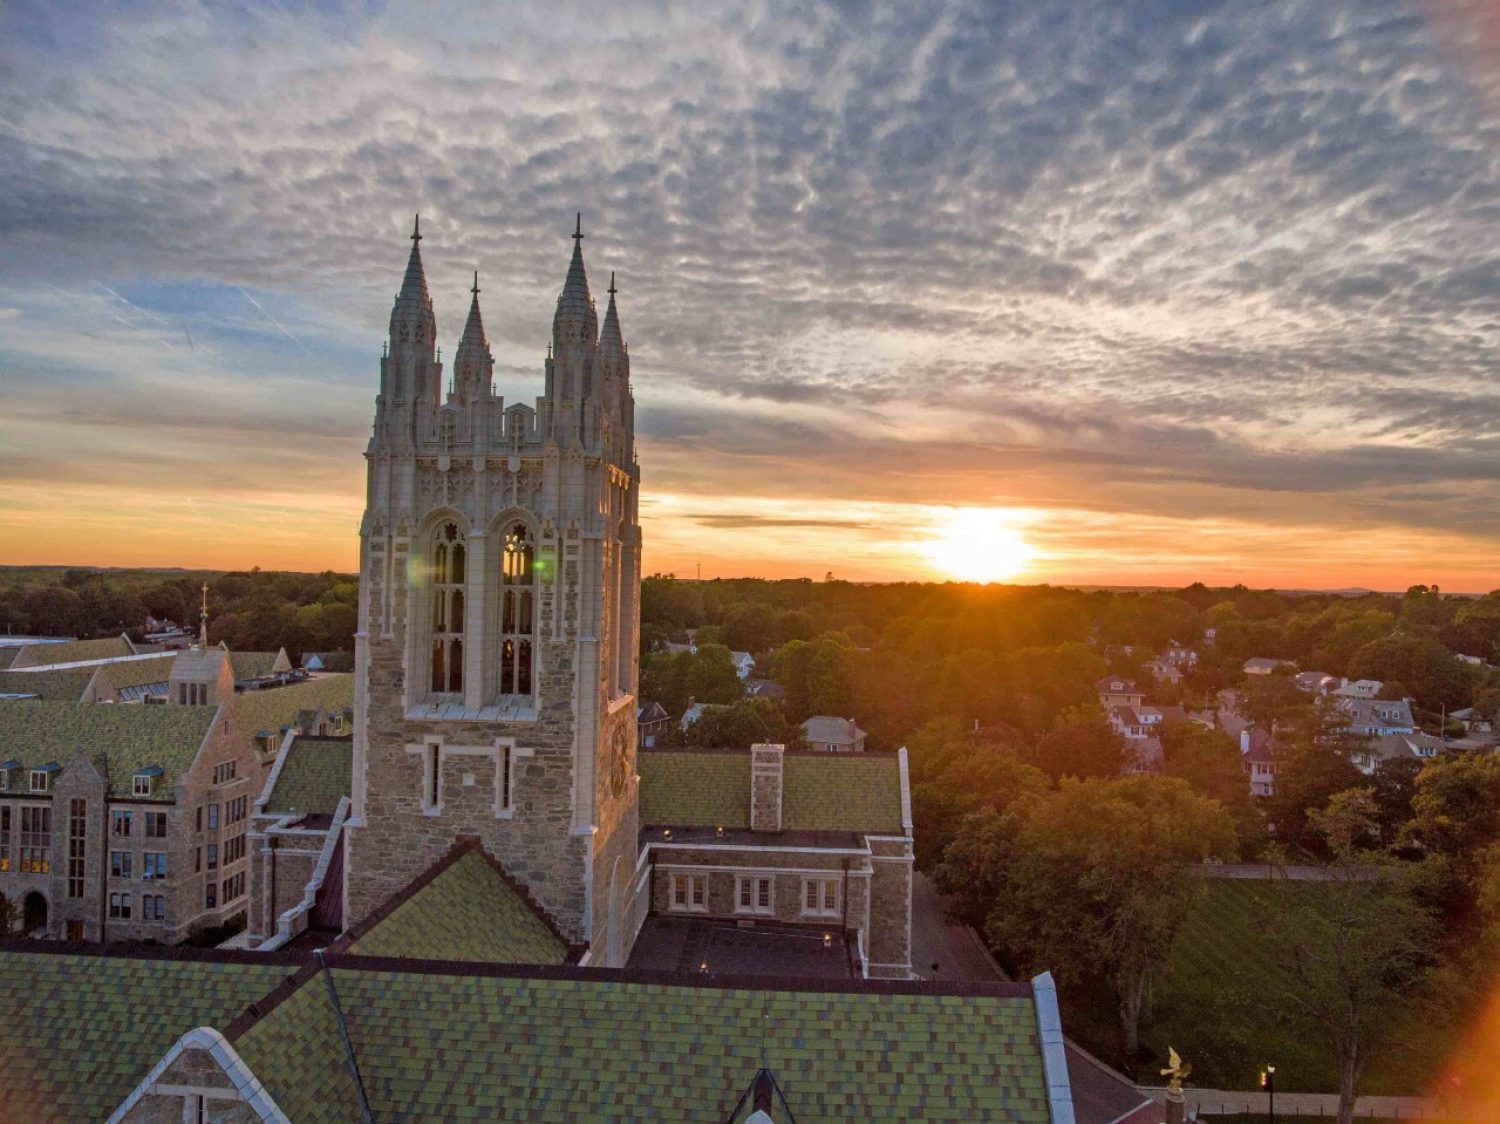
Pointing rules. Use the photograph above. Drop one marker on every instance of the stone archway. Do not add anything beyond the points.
(33, 913)
(614, 956)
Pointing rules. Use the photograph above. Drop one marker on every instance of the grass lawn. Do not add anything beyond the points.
(1218, 1006)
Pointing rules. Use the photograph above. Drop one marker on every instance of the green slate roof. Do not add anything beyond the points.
(55, 686)
(119, 739)
(467, 912)
(73, 651)
(8, 656)
(437, 1046)
(272, 710)
(80, 1032)
(137, 673)
(248, 665)
(314, 775)
(858, 792)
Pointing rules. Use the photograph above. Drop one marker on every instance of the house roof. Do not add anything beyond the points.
(764, 689)
(1263, 662)
(73, 651)
(434, 1042)
(137, 673)
(80, 1031)
(1377, 712)
(250, 665)
(826, 730)
(1117, 685)
(120, 739)
(464, 908)
(272, 710)
(1262, 749)
(8, 656)
(195, 665)
(314, 775)
(821, 792)
(55, 686)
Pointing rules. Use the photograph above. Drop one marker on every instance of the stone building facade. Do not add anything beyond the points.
(496, 659)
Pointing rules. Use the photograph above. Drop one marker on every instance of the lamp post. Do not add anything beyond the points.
(1268, 1083)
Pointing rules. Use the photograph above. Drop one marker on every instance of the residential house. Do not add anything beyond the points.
(1258, 758)
(744, 663)
(764, 689)
(1180, 655)
(1377, 750)
(1358, 688)
(651, 719)
(1115, 690)
(1316, 682)
(1377, 717)
(1164, 671)
(1258, 665)
(833, 735)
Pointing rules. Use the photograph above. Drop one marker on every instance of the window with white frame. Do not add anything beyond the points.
(39, 779)
(142, 786)
(820, 897)
(752, 894)
(689, 893)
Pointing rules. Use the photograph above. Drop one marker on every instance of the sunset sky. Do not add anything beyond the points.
(1123, 293)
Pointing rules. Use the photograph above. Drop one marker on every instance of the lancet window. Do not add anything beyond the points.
(448, 558)
(518, 611)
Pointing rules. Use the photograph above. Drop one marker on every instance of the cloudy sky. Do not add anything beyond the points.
(1131, 292)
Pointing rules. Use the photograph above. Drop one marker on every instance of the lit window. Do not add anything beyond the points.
(517, 611)
(689, 893)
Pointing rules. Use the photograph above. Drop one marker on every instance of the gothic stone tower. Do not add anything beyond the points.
(498, 618)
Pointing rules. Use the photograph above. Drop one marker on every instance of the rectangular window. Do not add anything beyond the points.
(39, 780)
(225, 772)
(753, 894)
(77, 850)
(820, 897)
(211, 895)
(200, 818)
(213, 817)
(36, 840)
(154, 864)
(502, 768)
(198, 860)
(119, 906)
(213, 856)
(689, 893)
(153, 907)
(121, 823)
(433, 775)
(5, 828)
(156, 825)
(119, 864)
(142, 786)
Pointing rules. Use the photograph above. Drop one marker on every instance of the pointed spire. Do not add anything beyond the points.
(473, 345)
(414, 284)
(611, 341)
(575, 301)
(203, 621)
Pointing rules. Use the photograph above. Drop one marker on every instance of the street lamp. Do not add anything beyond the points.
(1268, 1083)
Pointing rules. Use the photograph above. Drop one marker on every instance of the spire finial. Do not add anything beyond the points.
(416, 229)
(578, 228)
(612, 290)
(203, 621)
(475, 289)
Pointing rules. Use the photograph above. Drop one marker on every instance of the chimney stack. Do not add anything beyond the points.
(765, 787)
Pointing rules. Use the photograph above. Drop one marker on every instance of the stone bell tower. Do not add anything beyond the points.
(498, 618)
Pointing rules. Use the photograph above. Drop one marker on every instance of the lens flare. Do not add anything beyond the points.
(976, 544)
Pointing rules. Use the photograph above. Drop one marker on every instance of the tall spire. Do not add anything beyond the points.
(611, 341)
(472, 366)
(413, 310)
(203, 621)
(575, 307)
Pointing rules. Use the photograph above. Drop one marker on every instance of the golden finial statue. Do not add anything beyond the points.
(1177, 1069)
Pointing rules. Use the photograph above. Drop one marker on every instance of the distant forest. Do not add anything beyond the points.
(893, 656)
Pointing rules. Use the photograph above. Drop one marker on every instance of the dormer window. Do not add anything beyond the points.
(41, 779)
(144, 780)
(8, 775)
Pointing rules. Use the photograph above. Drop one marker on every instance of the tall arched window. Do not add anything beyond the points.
(517, 611)
(448, 611)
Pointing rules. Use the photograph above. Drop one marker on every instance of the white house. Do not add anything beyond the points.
(1258, 756)
(744, 663)
(1378, 718)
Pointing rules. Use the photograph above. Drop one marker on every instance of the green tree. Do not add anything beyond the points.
(1355, 952)
(744, 722)
(1210, 761)
(1082, 744)
(711, 677)
(1098, 875)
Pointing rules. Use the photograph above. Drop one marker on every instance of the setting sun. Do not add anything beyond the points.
(975, 545)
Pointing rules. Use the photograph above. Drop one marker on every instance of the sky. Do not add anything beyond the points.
(1115, 293)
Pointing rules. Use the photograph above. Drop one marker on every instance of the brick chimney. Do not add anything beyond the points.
(765, 787)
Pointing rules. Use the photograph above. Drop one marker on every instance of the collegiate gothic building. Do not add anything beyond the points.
(496, 654)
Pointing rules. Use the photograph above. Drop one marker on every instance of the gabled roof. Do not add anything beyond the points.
(137, 673)
(1116, 685)
(198, 665)
(250, 665)
(820, 792)
(435, 1042)
(72, 651)
(121, 739)
(81, 1030)
(823, 729)
(274, 709)
(55, 686)
(464, 908)
(314, 775)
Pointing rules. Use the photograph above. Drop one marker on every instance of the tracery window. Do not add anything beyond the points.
(448, 558)
(517, 611)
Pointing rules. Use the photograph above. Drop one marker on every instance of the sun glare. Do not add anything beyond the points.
(975, 545)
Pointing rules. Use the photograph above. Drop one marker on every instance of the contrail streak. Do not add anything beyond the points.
(273, 320)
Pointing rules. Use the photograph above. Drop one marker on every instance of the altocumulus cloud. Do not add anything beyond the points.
(1174, 261)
